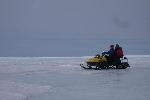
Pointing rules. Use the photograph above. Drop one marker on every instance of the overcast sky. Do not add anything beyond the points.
(73, 27)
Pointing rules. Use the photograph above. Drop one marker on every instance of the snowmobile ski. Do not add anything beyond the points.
(88, 67)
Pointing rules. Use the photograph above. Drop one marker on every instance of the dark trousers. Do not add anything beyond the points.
(117, 61)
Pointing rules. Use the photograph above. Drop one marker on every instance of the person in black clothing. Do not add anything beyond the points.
(110, 53)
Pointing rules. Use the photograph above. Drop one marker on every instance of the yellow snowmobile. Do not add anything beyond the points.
(104, 62)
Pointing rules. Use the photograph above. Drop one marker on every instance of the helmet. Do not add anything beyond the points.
(111, 46)
(117, 45)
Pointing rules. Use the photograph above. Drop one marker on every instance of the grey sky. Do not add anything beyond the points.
(73, 27)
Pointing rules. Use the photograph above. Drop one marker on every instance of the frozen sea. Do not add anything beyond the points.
(61, 78)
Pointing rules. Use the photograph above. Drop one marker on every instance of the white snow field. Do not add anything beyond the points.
(61, 78)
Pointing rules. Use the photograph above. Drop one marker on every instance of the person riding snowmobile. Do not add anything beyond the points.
(110, 53)
(108, 60)
(118, 54)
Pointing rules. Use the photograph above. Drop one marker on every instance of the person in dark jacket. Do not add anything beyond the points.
(110, 53)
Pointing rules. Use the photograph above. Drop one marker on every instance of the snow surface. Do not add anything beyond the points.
(61, 78)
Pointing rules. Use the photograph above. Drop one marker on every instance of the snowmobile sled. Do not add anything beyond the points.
(103, 62)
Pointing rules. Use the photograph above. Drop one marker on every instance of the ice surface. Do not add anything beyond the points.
(61, 78)
(18, 91)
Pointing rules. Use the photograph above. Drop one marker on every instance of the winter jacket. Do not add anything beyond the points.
(119, 52)
(110, 52)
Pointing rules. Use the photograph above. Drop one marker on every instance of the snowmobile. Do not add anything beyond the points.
(104, 62)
